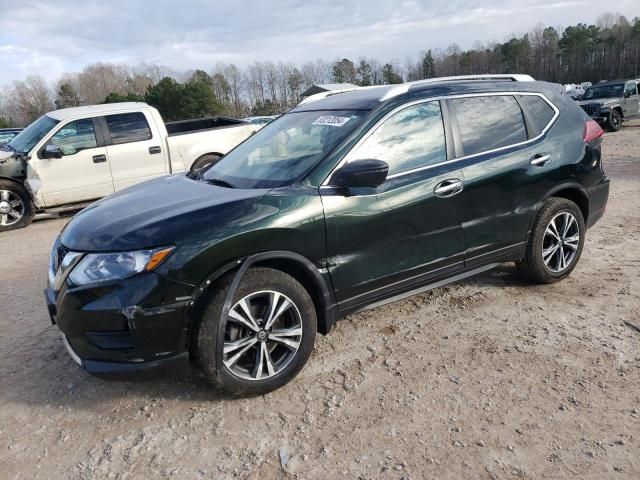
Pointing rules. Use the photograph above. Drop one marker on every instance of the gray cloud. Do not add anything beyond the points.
(49, 38)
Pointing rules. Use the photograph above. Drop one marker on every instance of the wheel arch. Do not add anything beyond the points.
(204, 155)
(571, 191)
(291, 263)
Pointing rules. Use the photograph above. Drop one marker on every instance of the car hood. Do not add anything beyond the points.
(600, 101)
(163, 211)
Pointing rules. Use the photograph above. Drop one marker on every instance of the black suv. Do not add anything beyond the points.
(612, 102)
(350, 200)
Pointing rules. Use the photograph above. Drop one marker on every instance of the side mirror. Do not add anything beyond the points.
(627, 94)
(52, 151)
(362, 173)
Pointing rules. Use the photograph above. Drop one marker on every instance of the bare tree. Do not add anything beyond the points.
(28, 100)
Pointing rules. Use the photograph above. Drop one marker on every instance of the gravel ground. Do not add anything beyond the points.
(487, 378)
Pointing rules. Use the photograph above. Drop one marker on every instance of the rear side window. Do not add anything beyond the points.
(128, 127)
(411, 138)
(539, 112)
(487, 123)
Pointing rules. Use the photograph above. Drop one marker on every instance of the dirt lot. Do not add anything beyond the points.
(488, 378)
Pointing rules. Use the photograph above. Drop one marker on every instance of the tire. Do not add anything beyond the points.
(16, 206)
(205, 161)
(615, 121)
(533, 266)
(250, 373)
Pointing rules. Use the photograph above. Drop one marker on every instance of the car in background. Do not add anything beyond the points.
(611, 102)
(71, 157)
(574, 91)
(260, 121)
(6, 134)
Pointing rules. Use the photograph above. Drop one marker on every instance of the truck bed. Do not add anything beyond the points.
(200, 124)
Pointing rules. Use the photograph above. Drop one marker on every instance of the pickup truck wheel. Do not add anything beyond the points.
(615, 121)
(205, 162)
(16, 207)
(556, 242)
(264, 340)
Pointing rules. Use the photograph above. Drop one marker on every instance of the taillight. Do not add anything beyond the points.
(592, 131)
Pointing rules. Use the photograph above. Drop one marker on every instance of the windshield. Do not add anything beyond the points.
(285, 150)
(604, 91)
(27, 139)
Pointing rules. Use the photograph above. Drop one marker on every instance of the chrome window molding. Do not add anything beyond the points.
(348, 155)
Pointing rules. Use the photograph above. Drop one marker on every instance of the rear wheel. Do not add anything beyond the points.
(205, 161)
(615, 121)
(16, 206)
(264, 340)
(556, 242)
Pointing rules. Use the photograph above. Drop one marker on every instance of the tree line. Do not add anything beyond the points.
(608, 49)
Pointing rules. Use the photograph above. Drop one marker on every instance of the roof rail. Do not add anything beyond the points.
(321, 95)
(405, 87)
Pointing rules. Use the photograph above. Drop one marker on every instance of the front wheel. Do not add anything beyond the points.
(16, 207)
(265, 338)
(615, 121)
(556, 242)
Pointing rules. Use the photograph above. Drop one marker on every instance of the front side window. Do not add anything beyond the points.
(285, 150)
(128, 127)
(632, 89)
(490, 122)
(75, 137)
(411, 138)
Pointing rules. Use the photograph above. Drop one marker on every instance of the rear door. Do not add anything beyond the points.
(505, 169)
(135, 153)
(83, 172)
(403, 233)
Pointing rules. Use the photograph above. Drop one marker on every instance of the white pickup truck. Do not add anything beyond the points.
(70, 157)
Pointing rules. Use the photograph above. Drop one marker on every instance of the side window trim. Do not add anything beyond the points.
(101, 127)
(327, 181)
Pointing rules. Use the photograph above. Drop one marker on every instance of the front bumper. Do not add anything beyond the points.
(140, 324)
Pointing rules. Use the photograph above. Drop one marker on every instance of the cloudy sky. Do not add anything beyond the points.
(52, 37)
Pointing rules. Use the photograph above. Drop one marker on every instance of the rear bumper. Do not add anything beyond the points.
(598, 198)
(139, 325)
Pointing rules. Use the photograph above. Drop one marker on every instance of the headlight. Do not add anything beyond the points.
(103, 267)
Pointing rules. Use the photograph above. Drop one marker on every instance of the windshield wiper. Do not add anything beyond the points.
(219, 183)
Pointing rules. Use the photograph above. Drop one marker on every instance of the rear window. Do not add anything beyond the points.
(539, 112)
(128, 127)
(487, 123)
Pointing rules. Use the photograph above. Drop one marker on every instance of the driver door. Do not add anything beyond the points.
(406, 232)
(81, 174)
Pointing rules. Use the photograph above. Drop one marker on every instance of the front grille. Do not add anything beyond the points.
(591, 109)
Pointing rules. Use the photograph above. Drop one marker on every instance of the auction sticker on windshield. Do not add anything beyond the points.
(331, 121)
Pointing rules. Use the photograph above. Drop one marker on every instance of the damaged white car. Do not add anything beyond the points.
(68, 158)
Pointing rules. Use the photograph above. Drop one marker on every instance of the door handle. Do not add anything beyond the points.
(540, 160)
(154, 150)
(448, 188)
(99, 158)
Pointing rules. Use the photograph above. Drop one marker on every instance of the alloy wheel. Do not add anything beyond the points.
(11, 208)
(560, 242)
(263, 332)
